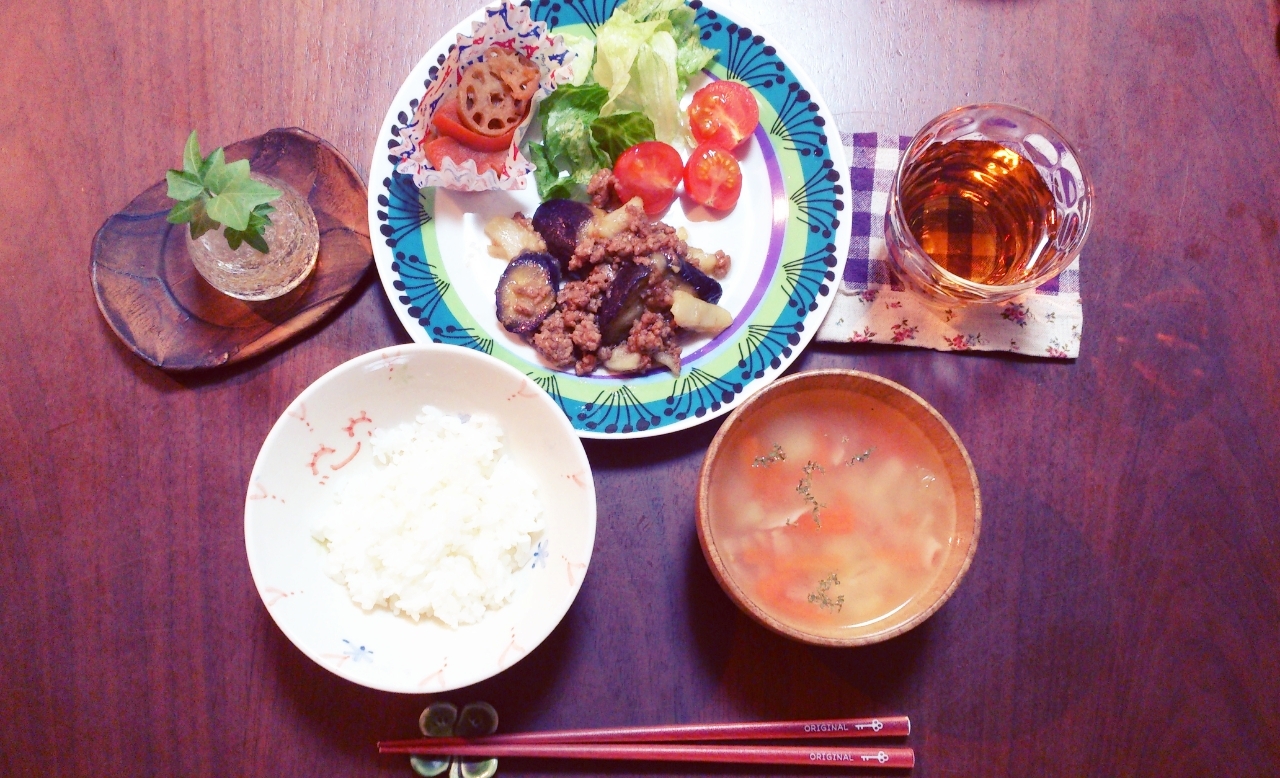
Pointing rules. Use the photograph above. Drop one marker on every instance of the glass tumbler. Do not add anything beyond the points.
(293, 237)
(989, 202)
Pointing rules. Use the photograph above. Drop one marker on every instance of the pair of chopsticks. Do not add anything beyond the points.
(680, 743)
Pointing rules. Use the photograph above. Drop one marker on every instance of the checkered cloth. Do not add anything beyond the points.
(959, 239)
(873, 307)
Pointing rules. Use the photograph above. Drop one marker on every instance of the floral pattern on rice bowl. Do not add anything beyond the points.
(323, 434)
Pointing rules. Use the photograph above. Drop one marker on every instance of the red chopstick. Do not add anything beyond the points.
(887, 757)
(887, 726)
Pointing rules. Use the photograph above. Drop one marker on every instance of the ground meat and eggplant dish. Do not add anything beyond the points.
(604, 286)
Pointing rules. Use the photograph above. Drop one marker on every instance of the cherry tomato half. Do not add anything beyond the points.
(446, 121)
(651, 171)
(713, 177)
(724, 114)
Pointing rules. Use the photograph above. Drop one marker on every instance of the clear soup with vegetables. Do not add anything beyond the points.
(830, 510)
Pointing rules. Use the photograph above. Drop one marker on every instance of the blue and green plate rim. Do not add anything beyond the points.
(611, 408)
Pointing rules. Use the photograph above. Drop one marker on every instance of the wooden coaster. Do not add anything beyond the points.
(152, 297)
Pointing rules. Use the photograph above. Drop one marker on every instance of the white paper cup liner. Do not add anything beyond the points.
(506, 26)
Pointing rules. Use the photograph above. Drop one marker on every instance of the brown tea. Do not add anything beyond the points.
(980, 210)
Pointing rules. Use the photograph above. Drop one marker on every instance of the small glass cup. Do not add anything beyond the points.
(293, 237)
(969, 221)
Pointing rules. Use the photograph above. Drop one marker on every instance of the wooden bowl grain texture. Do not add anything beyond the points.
(958, 466)
(152, 297)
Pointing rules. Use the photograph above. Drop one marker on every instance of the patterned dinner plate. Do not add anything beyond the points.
(786, 237)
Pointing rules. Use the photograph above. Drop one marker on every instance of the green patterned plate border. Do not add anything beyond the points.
(808, 239)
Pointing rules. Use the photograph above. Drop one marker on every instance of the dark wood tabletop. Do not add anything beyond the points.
(1122, 615)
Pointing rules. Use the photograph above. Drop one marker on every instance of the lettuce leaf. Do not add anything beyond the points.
(584, 50)
(576, 141)
(645, 54)
(655, 87)
(618, 43)
(691, 55)
(619, 132)
(545, 174)
(647, 10)
(567, 114)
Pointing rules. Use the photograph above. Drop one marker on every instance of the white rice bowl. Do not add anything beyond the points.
(353, 534)
(436, 523)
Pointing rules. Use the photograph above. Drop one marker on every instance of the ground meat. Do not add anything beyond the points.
(601, 190)
(657, 296)
(569, 337)
(715, 265)
(640, 239)
(531, 298)
(574, 296)
(587, 364)
(721, 268)
(647, 238)
(652, 332)
(552, 342)
(586, 295)
(600, 278)
(571, 334)
(643, 239)
(586, 332)
(669, 360)
(588, 252)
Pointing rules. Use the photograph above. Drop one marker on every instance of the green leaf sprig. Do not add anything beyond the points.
(212, 192)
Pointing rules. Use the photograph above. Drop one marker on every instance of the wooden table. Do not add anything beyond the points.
(1122, 616)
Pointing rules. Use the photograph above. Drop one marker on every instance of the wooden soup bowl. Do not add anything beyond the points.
(957, 465)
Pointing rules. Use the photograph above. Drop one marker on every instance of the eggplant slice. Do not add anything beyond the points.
(559, 222)
(623, 302)
(704, 287)
(527, 292)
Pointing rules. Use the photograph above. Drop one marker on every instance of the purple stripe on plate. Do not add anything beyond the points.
(777, 232)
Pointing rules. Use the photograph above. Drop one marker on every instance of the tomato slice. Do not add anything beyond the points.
(445, 147)
(724, 114)
(651, 171)
(713, 177)
(447, 122)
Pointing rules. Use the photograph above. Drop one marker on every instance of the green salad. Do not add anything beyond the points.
(641, 62)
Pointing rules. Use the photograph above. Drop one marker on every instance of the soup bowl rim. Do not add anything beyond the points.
(891, 626)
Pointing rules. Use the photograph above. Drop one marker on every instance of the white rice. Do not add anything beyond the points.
(437, 523)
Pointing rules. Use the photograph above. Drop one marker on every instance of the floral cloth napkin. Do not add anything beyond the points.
(871, 305)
